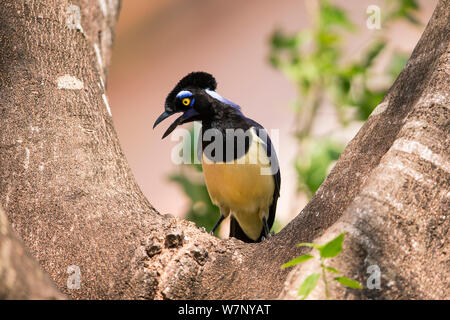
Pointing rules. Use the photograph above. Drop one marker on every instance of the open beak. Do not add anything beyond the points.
(163, 116)
(187, 116)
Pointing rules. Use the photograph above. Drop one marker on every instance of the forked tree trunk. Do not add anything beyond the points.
(70, 196)
(390, 188)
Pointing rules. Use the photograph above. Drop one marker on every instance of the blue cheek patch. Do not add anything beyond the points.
(192, 102)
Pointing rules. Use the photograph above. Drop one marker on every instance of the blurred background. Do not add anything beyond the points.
(314, 70)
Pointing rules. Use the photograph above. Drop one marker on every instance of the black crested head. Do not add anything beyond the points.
(198, 79)
(195, 98)
(201, 80)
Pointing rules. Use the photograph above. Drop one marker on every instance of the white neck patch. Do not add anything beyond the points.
(218, 97)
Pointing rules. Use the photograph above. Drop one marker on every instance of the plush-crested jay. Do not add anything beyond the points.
(238, 159)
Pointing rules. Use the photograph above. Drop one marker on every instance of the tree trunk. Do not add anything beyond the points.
(391, 186)
(70, 195)
(20, 276)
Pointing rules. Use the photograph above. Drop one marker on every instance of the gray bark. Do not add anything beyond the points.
(396, 175)
(20, 275)
(70, 196)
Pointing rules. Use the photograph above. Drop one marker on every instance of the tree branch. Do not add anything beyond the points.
(70, 195)
(397, 216)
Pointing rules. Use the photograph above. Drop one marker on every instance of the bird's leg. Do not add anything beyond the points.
(217, 224)
(266, 228)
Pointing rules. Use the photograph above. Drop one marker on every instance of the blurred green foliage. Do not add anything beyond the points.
(313, 168)
(315, 61)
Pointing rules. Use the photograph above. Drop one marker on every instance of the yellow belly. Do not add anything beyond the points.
(241, 189)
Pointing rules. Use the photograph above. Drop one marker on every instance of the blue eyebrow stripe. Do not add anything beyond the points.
(184, 94)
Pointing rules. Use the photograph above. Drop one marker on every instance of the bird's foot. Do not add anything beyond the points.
(266, 237)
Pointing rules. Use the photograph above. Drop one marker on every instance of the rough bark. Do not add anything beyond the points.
(396, 215)
(70, 195)
(20, 275)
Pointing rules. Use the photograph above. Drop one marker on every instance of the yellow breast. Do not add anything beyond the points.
(241, 185)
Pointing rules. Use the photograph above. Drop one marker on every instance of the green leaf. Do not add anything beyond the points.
(332, 248)
(308, 285)
(348, 282)
(308, 244)
(331, 15)
(280, 40)
(333, 270)
(297, 260)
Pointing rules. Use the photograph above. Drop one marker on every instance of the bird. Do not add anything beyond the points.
(240, 165)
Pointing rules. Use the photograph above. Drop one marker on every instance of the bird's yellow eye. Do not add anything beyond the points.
(186, 101)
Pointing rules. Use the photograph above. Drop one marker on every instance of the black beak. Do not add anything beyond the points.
(187, 116)
(163, 116)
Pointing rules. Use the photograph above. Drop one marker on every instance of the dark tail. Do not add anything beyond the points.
(238, 233)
